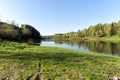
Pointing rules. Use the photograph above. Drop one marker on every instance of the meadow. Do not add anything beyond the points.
(20, 61)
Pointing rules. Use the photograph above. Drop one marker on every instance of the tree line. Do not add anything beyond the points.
(98, 30)
(23, 33)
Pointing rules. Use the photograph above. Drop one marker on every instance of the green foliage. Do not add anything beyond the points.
(12, 32)
(29, 32)
(108, 30)
(78, 34)
(118, 32)
(97, 34)
(99, 30)
(84, 33)
(30, 42)
(101, 33)
(8, 31)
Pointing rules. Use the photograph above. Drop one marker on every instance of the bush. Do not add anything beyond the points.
(30, 42)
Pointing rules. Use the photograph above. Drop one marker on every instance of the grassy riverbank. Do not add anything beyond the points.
(114, 38)
(20, 61)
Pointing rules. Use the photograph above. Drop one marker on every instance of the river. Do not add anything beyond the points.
(108, 48)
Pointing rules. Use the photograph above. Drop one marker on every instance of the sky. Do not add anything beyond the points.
(60, 16)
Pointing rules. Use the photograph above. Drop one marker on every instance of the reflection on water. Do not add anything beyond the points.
(90, 46)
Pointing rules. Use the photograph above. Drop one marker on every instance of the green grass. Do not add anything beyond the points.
(19, 61)
(113, 38)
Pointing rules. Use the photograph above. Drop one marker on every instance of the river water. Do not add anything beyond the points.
(108, 48)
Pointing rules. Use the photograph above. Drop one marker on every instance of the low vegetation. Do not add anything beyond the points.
(24, 62)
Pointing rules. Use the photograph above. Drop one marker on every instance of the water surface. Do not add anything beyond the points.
(108, 48)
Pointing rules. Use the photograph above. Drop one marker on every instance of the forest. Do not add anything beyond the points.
(98, 30)
(23, 33)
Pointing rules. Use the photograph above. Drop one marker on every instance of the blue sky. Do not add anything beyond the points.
(60, 16)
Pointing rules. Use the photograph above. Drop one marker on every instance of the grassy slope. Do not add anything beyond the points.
(19, 61)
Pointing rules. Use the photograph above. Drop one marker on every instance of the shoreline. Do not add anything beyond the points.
(104, 39)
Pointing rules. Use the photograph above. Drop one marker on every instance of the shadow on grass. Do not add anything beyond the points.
(84, 62)
(57, 56)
